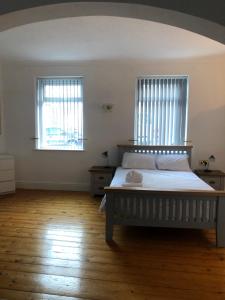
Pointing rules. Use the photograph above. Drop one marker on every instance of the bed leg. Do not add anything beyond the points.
(220, 223)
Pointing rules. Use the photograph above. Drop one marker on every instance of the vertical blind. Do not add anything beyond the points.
(161, 110)
(60, 113)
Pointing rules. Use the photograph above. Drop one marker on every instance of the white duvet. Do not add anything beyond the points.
(163, 180)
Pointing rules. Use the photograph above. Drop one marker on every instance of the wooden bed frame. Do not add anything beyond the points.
(178, 209)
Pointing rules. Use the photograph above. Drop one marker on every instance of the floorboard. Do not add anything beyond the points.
(52, 247)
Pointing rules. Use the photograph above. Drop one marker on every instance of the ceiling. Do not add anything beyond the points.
(210, 10)
(102, 38)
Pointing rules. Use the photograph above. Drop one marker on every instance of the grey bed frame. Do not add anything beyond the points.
(178, 209)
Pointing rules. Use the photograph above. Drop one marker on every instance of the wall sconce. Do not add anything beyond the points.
(212, 158)
(105, 154)
(107, 107)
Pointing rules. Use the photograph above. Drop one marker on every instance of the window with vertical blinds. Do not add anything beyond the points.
(161, 110)
(59, 113)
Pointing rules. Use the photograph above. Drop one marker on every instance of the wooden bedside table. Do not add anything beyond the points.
(101, 176)
(214, 178)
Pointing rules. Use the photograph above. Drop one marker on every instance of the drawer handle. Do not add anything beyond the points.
(100, 177)
(212, 182)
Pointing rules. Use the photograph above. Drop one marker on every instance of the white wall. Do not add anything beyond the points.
(2, 137)
(107, 82)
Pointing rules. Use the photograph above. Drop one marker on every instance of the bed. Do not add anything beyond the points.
(192, 206)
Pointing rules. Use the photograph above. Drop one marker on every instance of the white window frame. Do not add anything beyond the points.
(186, 77)
(37, 137)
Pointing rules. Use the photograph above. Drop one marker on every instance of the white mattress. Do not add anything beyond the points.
(163, 180)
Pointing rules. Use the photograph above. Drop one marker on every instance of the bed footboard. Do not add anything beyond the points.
(166, 209)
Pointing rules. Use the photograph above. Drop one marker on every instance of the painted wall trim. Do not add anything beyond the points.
(138, 11)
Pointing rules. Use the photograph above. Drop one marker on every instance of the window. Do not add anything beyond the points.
(59, 113)
(161, 110)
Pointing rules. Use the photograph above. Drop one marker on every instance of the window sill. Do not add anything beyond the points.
(61, 150)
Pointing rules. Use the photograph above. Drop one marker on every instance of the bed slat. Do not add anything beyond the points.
(165, 210)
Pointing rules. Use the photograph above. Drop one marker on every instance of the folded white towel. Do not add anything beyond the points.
(134, 177)
(132, 184)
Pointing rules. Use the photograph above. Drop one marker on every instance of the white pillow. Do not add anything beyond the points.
(138, 161)
(173, 162)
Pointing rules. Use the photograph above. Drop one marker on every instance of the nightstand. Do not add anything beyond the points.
(100, 177)
(215, 178)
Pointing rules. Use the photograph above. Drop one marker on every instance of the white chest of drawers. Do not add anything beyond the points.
(7, 174)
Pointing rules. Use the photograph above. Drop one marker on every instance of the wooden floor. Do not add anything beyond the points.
(52, 247)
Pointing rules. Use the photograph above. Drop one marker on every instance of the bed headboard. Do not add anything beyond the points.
(155, 150)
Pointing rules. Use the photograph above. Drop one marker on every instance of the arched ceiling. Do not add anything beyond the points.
(203, 17)
(95, 38)
(210, 10)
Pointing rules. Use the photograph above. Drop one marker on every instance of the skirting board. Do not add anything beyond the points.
(64, 186)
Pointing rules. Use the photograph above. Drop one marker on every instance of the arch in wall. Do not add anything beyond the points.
(145, 12)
